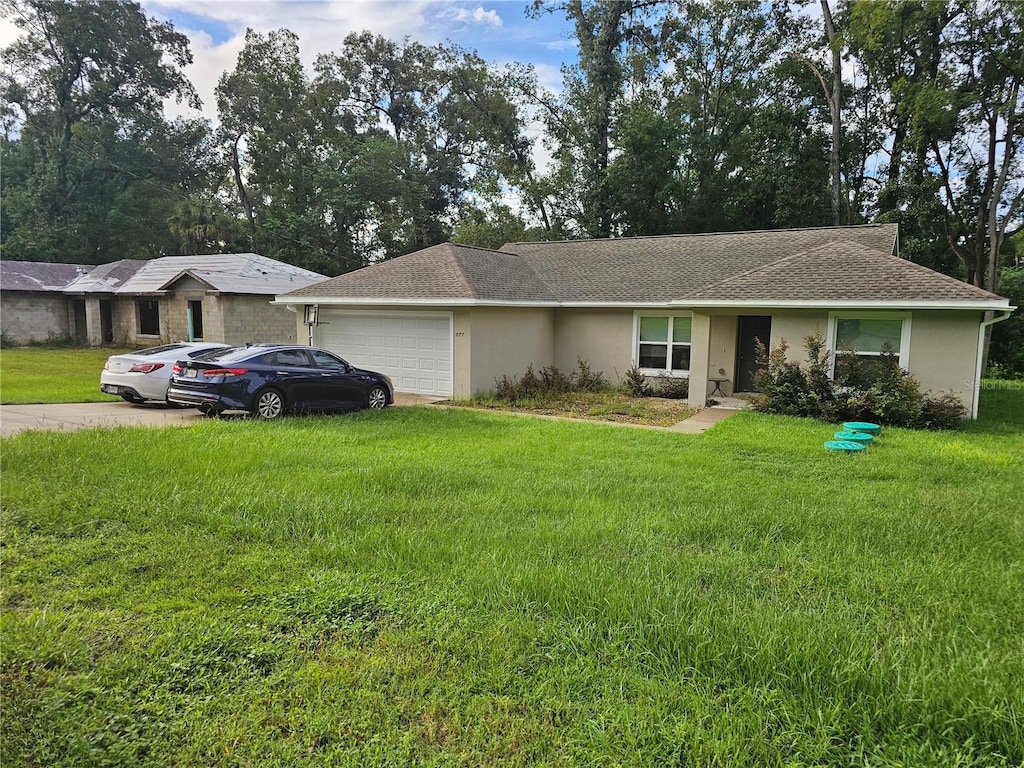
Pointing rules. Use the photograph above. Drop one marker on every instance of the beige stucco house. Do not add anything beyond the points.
(221, 297)
(450, 319)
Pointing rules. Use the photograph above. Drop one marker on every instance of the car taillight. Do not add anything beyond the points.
(177, 369)
(145, 367)
(224, 371)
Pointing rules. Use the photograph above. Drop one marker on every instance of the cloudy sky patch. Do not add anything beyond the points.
(477, 16)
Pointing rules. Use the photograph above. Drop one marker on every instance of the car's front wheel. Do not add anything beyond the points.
(269, 404)
(377, 398)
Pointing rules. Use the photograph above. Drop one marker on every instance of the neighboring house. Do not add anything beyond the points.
(32, 305)
(450, 319)
(224, 297)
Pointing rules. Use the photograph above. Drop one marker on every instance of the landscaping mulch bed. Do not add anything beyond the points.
(595, 406)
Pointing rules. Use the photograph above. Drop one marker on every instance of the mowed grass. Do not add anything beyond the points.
(53, 375)
(459, 588)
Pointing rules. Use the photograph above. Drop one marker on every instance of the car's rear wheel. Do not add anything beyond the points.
(376, 398)
(269, 404)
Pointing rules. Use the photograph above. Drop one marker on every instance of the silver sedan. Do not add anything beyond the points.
(144, 375)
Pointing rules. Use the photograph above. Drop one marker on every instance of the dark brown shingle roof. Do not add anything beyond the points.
(839, 272)
(444, 272)
(820, 264)
(661, 269)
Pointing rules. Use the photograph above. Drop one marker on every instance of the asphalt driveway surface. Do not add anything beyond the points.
(63, 417)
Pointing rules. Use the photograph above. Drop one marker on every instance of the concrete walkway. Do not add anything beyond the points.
(704, 419)
(64, 417)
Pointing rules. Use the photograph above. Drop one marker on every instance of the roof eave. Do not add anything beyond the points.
(970, 304)
(418, 302)
(980, 305)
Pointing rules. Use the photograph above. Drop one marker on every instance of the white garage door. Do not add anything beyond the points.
(413, 348)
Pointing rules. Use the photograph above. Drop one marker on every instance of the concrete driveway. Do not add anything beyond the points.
(64, 417)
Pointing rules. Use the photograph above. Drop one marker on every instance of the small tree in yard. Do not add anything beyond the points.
(882, 392)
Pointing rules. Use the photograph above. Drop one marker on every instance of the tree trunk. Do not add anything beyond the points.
(834, 102)
(243, 195)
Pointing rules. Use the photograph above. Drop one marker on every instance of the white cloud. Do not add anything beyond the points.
(567, 44)
(477, 16)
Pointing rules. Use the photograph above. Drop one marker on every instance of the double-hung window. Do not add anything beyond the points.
(663, 344)
(861, 340)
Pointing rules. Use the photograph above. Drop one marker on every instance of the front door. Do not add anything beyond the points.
(752, 328)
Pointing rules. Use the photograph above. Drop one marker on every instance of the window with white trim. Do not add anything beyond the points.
(860, 341)
(663, 343)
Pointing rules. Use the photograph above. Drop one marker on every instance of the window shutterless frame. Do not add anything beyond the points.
(661, 343)
(841, 329)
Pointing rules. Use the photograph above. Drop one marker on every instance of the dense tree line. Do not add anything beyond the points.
(678, 116)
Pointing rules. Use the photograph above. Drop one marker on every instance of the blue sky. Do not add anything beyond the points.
(499, 30)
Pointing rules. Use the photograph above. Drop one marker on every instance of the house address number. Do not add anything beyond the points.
(459, 335)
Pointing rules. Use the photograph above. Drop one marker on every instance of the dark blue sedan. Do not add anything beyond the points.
(269, 380)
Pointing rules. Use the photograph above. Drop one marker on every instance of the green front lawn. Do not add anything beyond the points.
(454, 587)
(53, 375)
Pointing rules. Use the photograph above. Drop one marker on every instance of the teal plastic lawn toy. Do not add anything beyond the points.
(844, 446)
(855, 437)
(861, 426)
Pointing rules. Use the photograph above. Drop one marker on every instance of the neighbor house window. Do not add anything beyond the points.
(149, 317)
(663, 343)
(860, 341)
(195, 313)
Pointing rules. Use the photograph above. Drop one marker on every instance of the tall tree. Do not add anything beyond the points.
(582, 124)
(953, 73)
(86, 81)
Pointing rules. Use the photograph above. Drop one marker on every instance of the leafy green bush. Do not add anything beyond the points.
(1006, 354)
(882, 392)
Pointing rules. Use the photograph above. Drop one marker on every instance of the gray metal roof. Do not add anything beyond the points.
(106, 278)
(246, 273)
(38, 276)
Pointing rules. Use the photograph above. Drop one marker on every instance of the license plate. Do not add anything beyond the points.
(191, 373)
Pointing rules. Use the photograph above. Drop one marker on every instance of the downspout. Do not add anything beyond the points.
(1005, 314)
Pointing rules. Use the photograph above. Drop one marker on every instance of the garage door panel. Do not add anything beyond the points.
(414, 351)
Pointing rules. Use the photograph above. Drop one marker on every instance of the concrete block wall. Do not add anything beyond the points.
(254, 318)
(125, 323)
(174, 316)
(27, 317)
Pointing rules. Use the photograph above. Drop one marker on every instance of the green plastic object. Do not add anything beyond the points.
(855, 437)
(844, 446)
(861, 426)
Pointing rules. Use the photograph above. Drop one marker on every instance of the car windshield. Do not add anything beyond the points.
(233, 354)
(207, 354)
(158, 350)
